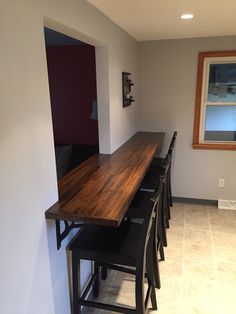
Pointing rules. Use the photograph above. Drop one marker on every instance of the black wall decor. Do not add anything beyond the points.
(126, 85)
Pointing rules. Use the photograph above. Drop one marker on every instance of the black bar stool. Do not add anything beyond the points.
(137, 209)
(128, 249)
(136, 214)
(149, 182)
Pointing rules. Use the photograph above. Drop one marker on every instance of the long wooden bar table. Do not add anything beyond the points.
(100, 190)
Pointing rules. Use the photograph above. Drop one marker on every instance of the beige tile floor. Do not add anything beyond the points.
(199, 273)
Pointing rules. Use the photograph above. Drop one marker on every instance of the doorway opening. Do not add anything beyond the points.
(73, 92)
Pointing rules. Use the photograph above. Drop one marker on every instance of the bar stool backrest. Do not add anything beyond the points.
(172, 143)
(171, 147)
(156, 197)
(147, 225)
(166, 167)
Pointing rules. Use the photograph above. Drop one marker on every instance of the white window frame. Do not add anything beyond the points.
(205, 60)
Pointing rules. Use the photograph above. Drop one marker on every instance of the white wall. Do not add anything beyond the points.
(33, 274)
(167, 100)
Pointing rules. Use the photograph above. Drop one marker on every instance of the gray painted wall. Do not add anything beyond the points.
(34, 275)
(168, 72)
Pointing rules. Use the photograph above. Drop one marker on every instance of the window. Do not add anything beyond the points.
(215, 111)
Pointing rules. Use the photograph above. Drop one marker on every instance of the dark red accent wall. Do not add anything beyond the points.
(72, 82)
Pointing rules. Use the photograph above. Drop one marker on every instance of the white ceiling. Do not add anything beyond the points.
(159, 19)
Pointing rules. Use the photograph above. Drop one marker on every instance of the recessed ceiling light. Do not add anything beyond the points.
(187, 16)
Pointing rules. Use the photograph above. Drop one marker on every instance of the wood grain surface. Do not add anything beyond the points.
(100, 190)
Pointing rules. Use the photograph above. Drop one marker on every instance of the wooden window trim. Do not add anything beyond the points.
(197, 115)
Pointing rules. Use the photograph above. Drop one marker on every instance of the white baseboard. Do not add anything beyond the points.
(227, 204)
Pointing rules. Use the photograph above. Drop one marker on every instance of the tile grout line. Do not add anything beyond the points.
(186, 296)
(183, 263)
(215, 263)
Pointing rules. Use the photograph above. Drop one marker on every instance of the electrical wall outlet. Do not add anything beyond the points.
(221, 183)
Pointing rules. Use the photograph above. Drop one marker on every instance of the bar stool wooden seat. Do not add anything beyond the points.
(128, 249)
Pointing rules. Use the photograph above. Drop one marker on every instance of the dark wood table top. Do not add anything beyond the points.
(100, 190)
